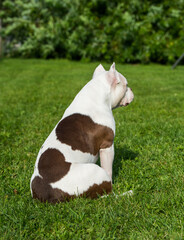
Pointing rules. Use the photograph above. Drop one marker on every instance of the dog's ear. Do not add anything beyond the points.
(113, 76)
(112, 68)
(98, 70)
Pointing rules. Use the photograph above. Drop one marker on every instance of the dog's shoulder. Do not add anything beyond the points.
(82, 133)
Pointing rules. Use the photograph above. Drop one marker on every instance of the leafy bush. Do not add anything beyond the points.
(123, 31)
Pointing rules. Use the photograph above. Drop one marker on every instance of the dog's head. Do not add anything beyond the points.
(120, 93)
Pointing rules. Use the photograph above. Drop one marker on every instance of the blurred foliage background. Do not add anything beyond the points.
(127, 31)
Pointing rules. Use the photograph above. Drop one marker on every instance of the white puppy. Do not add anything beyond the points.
(65, 166)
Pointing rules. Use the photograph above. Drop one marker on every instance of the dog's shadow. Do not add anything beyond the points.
(122, 154)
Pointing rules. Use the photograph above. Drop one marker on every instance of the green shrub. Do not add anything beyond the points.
(123, 31)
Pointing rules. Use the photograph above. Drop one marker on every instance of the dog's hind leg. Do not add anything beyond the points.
(88, 180)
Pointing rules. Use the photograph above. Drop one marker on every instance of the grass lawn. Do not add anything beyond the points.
(149, 153)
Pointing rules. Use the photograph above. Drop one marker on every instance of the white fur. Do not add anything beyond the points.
(94, 101)
(106, 159)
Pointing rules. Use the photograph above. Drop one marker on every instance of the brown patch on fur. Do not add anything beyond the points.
(94, 191)
(81, 133)
(45, 193)
(42, 191)
(52, 165)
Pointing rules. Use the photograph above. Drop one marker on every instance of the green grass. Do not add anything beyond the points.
(149, 153)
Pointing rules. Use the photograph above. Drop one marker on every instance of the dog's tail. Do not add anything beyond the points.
(128, 193)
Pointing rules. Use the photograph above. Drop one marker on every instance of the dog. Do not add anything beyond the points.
(65, 167)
